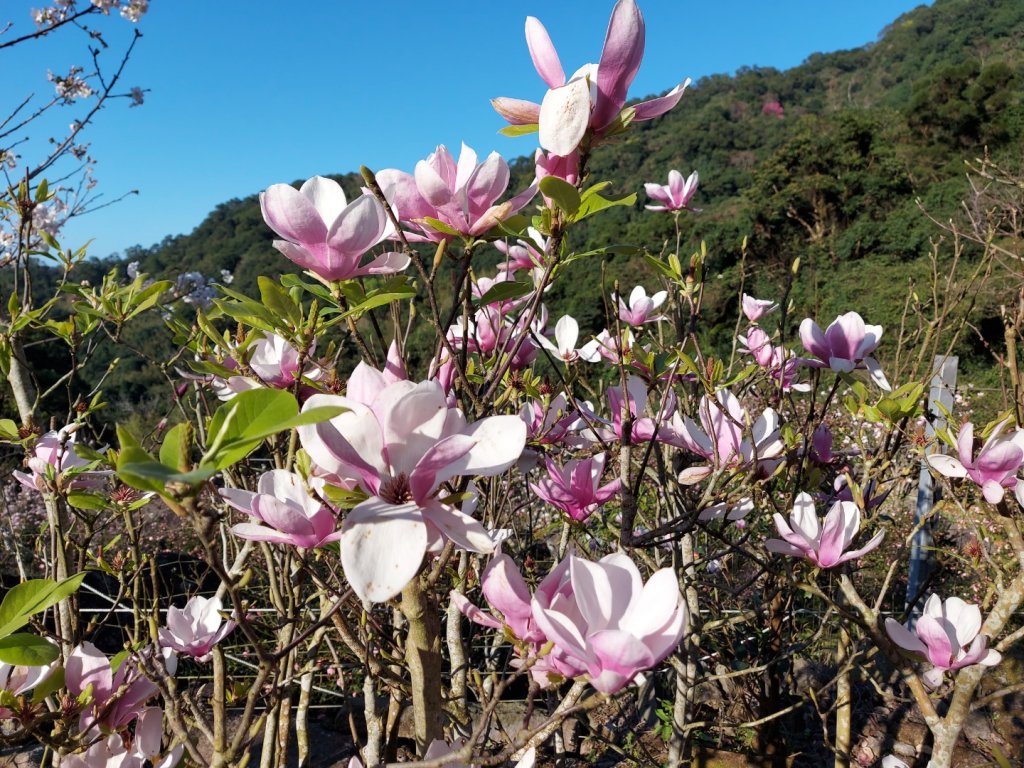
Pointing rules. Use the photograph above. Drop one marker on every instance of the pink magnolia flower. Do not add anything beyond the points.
(845, 346)
(507, 593)
(612, 623)
(399, 448)
(55, 452)
(821, 444)
(782, 365)
(734, 513)
(274, 361)
(462, 195)
(593, 97)
(722, 436)
(946, 636)
(550, 424)
(574, 487)
(523, 254)
(824, 544)
(290, 515)
(755, 309)
(641, 307)
(117, 698)
(112, 752)
(674, 196)
(567, 333)
(565, 168)
(18, 680)
(635, 400)
(196, 628)
(326, 234)
(996, 465)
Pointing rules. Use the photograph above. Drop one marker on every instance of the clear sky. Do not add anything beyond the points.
(247, 93)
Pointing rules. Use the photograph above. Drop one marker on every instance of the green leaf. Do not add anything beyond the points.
(380, 299)
(440, 226)
(31, 597)
(239, 426)
(518, 130)
(175, 449)
(8, 430)
(505, 291)
(595, 203)
(563, 193)
(278, 301)
(81, 500)
(149, 297)
(23, 649)
(53, 683)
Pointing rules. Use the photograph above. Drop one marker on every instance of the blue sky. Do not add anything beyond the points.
(246, 94)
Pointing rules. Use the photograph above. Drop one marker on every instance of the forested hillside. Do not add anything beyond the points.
(826, 161)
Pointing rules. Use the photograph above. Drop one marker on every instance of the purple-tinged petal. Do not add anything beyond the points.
(604, 590)
(620, 59)
(359, 227)
(872, 544)
(517, 111)
(965, 618)
(505, 589)
(292, 215)
(780, 547)
(473, 613)
(543, 53)
(992, 491)
(904, 638)
(935, 634)
(814, 340)
(648, 110)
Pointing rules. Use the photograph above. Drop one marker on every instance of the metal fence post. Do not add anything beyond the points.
(921, 548)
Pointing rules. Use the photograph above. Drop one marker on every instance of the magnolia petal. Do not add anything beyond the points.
(499, 443)
(813, 339)
(543, 53)
(385, 264)
(946, 465)
(465, 532)
(620, 651)
(472, 612)
(904, 638)
(382, 548)
(254, 532)
(620, 59)
(564, 117)
(693, 475)
(604, 590)
(780, 547)
(875, 371)
(934, 633)
(872, 544)
(992, 491)
(292, 215)
(648, 110)
(505, 589)
(517, 111)
(327, 197)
